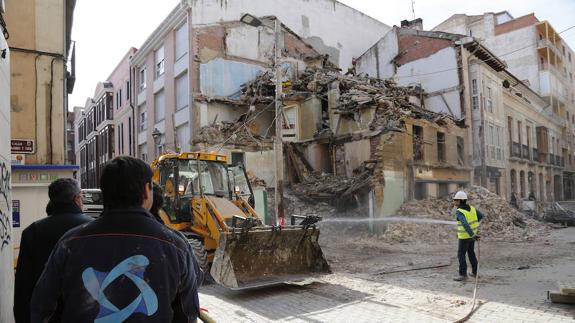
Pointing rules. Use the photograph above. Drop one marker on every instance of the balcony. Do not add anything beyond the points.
(542, 157)
(551, 159)
(525, 152)
(535, 155)
(552, 85)
(516, 150)
(544, 43)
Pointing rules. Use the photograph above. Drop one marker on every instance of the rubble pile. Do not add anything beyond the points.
(502, 222)
(238, 133)
(330, 187)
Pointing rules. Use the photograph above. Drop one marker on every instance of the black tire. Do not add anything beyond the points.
(201, 255)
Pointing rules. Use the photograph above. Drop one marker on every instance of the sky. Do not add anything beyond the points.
(104, 31)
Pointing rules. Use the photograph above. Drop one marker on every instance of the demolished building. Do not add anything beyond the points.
(362, 142)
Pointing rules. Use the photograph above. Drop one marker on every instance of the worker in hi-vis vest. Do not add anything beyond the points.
(468, 219)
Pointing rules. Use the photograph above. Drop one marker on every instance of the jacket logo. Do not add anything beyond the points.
(133, 268)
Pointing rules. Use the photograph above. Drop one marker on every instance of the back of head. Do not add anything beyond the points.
(158, 199)
(123, 182)
(62, 192)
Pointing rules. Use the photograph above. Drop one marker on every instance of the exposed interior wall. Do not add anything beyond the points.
(424, 72)
(6, 241)
(318, 22)
(309, 118)
(376, 61)
(356, 153)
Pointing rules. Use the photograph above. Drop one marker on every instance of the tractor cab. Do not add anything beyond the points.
(188, 175)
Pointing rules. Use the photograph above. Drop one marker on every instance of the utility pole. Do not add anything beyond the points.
(278, 142)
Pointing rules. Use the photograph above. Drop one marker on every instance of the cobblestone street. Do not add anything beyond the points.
(506, 294)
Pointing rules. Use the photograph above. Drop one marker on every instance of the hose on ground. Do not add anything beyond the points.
(472, 310)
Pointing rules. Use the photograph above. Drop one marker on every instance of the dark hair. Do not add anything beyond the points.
(158, 200)
(123, 182)
(62, 192)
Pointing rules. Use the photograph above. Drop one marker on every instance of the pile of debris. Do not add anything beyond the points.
(237, 133)
(334, 188)
(501, 222)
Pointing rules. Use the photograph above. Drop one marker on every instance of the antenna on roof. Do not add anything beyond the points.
(413, 9)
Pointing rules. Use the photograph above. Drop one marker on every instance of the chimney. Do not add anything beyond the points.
(416, 24)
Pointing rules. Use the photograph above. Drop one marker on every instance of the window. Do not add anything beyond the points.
(182, 42)
(441, 147)
(489, 100)
(142, 79)
(442, 189)
(159, 61)
(238, 158)
(119, 98)
(143, 115)
(183, 137)
(417, 143)
(127, 90)
(182, 91)
(130, 136)
(519, 132)
(569, 56)
(474, 98)
(159, 106)
(143, 150)
(420, 191)
(460, 151)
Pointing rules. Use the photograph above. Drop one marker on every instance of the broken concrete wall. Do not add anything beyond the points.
(376, 62)
(309, 117)
(437, 74)
(320, 157)
(356, 152)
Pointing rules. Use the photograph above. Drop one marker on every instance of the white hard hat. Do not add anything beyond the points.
(460, 196)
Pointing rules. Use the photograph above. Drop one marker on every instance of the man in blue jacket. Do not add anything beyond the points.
(124, 265)
(468, 219)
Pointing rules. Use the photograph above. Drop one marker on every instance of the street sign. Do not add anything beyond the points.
(22, 146)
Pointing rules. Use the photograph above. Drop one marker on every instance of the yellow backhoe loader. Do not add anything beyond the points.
(211, 203)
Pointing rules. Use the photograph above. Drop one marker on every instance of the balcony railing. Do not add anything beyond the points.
(551, 159)
(516, 150)
(542, 157)
(525, 152)
(558, 160)
(535, 155)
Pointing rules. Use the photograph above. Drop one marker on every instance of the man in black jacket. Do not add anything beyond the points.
(64, 213)
(124, 265)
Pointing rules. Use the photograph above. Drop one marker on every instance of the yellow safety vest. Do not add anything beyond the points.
(471, 218)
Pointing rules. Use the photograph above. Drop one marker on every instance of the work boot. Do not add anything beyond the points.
(460, 278)
(472, 275)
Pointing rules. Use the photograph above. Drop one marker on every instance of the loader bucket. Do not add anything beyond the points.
(263, 256)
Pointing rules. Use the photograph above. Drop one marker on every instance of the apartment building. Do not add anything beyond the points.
(124, 114)
(70, 138)
(535, 52)
(95, 134)
(534, 162)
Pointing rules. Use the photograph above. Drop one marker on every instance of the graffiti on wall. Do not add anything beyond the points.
(5, 227)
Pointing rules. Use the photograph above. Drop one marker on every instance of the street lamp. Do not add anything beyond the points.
(157, 135)
(278, 144)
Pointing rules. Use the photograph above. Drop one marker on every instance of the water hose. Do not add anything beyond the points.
(472, 310)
